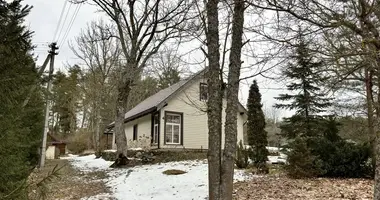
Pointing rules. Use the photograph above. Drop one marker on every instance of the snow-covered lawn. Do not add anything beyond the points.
(148, 181)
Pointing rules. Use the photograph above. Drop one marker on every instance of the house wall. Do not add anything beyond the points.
(195, 134)
(195, 130)
(52, 152)
(143, 132)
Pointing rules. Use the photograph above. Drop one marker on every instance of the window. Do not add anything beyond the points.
(135, 132)
(203, 93)
(155, 129)
(173, 128)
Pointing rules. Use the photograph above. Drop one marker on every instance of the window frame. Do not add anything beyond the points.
(202, 87)
(180, 134)
(156, 126)
(135, 132)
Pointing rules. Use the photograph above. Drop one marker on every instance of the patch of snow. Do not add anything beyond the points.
(136, 149)
(110, 150)
(276, 159)
(273, 149)
(68, 156)
(148, 181)
(103, 196)
(90, 163)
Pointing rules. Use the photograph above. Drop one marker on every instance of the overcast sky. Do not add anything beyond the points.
(43, 20)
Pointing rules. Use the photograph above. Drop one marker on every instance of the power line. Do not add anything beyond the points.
(60, 19)
(70, 24)
(64, 21)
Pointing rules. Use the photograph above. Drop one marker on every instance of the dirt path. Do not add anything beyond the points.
(71, 184)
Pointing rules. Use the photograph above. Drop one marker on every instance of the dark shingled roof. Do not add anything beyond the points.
(151, 103)
(157, 100)
(154, 100)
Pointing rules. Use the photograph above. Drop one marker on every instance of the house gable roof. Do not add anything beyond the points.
(155, 101)
(158, 100)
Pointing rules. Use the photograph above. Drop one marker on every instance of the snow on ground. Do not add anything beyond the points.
(89, 163)
(99, 196)
(148, 181)
(110, 150)
(276, 159)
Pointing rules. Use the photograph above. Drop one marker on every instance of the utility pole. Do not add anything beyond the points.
(52, 53)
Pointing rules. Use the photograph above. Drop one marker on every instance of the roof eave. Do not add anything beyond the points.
(141, 114)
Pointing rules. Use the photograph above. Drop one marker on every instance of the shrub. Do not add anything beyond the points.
(242, 154)
(109, 155)
(302, 163)
(342, 158)
(78, 142)
(322, 157)
(162, 156)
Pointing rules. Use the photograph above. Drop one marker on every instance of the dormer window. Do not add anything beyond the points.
(203, 92)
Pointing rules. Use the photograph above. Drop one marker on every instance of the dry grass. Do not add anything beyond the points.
(71, 184)
(173, 172)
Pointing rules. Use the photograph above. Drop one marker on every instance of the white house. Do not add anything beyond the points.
(174, 117)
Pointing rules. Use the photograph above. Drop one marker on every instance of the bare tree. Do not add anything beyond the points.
(232, 100)
(100, 55)
(142, 28)
(221, 168)
(214, 103)
(166, 66)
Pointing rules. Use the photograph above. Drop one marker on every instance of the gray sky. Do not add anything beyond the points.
(43, 20)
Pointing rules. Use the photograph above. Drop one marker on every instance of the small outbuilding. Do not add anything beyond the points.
(55, 147)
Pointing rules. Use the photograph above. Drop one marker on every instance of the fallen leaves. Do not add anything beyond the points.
(281, 187)
(173, 172)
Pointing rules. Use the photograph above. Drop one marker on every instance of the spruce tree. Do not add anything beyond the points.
(20, 125)
(306, 97)
(66, 98)
(168, 77)
(257, 136)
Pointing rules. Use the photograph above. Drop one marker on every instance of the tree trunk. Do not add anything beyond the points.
(124, 89)
(232, 101)
(214, 104)
(377, 138)
(84, 116)
(97, 134)
(370, 114)
(377, 142)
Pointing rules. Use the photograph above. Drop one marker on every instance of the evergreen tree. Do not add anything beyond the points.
(257, 136)
(20, 126)
(306, 97)
(66, 95)
(168, 77)
(315, 148)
